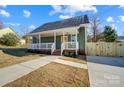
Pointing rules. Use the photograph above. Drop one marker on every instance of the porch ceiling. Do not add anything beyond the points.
(70, 30)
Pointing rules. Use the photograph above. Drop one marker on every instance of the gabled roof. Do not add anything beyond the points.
(8, 30)
(120, 37)
(70, 22)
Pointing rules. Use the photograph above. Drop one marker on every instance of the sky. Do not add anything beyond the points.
(29, 17)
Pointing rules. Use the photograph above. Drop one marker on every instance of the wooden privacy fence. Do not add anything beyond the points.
(105, 49)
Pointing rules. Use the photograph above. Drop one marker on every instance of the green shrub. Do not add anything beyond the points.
(66, 54)
(109, 34)
(9, 39)
(70, 54)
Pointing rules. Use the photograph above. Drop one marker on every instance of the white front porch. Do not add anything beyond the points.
(65, 43)
(43, 46)
(52, 48)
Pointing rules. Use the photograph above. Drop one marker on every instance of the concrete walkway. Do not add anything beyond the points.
(11, 73)
(106, 71)
(71, 63)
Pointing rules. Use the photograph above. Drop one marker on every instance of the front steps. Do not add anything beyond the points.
(57, 52)
(68, 52)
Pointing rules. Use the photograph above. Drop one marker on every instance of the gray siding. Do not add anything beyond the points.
(58, 42)
(47, 39)
(35, 39)
(81, 38)
(69, 38)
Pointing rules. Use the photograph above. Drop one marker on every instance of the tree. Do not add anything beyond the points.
(109, 34)
(25, 30)
(9, 39)
(95, 22)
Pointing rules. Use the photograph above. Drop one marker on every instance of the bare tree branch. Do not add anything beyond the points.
(95, 22)
(24, 29)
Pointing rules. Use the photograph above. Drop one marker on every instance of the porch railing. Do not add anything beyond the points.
(41, 46)
(33, 46)
(53, 48)
(69, 46)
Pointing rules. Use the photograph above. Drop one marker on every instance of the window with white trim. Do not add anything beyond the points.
(73, 38)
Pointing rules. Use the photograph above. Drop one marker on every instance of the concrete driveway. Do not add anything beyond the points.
(106, 71)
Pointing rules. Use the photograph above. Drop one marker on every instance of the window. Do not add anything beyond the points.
(73, 38)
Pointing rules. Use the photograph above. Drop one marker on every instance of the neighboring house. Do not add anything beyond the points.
(10, 30)
(7, 30)
(60, 36)
(22, 41)
(120, 38)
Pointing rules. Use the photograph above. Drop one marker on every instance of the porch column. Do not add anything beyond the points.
(39, 41)
(63, 38)
(55, 39)
(76, 41)
(62, 48)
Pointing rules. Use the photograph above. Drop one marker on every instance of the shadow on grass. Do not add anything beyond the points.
(16, 52)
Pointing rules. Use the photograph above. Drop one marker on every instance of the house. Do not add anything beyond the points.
(7, 30)
(68, 35)
(120, 39)
(22, 41)
(10, 30)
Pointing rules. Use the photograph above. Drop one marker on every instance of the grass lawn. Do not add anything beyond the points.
(13, 56)
(3, 46)
(80, 59)
(17, 46)
(54, 75)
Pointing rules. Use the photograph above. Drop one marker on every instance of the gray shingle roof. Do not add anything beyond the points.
(74, 21)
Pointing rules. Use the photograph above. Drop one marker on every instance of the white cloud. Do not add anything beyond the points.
(117, 21)
(13, 24)
(71, 10)
(56, 9)
(114, 26)
(4, 13)
(26, 13)
(121, 18)
(64, 16)
(18, 24)
(3, 6)
(121, 6)
(32, 27)
(110, 19)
